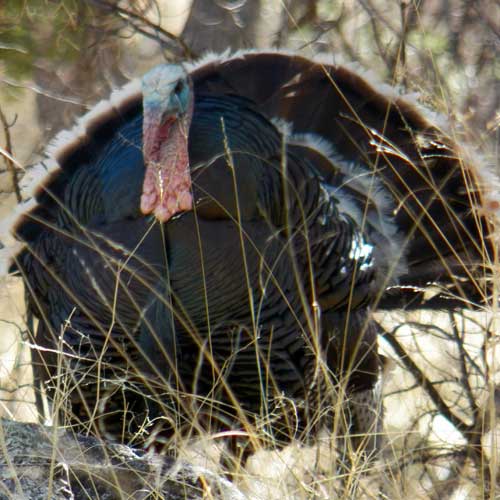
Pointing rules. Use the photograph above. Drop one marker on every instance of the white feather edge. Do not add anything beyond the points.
(390, 92)
(10, 245)
(389, 245)
(488, 183)
(66, 140)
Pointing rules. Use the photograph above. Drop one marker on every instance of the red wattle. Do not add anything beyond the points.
(167, 180)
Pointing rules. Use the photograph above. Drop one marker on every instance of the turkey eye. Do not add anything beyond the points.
(178, 87)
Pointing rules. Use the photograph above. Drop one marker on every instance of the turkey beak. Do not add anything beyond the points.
(176, 107)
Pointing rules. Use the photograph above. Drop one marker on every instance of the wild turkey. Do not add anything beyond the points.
(290, 198)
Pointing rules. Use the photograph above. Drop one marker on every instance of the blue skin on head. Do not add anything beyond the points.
(166, 90)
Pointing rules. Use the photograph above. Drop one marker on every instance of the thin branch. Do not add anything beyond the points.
(425, 383)
(146, 27)
(8, 158)
(403, 6)
(464, 374)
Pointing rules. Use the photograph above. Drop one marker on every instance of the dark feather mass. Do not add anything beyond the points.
(209, 250)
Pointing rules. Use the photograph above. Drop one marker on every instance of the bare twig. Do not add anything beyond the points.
(424, 382)
(146, 27)
(464, 372)
(472, 432)
(403, 6)
(7, 158)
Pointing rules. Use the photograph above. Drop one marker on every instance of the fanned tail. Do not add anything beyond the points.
(443, 205)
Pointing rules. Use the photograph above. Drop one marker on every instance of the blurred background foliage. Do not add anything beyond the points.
(76, 50)
(37, 30)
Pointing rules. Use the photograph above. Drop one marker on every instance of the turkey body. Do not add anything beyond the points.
(235, 268)
(261, 294)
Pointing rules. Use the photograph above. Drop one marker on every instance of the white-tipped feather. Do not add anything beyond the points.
(99, 110)
(130, 91)
(315, 142)
(392, 93)
(210, 57)
(11, 246)
(7, 223)
(36, 176)
(285, 128)
(487, 181)
(389, 249)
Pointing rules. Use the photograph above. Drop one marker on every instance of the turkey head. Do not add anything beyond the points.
(168, 108)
